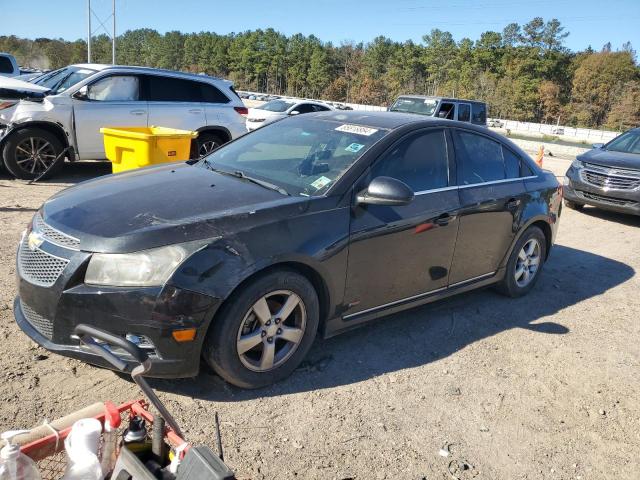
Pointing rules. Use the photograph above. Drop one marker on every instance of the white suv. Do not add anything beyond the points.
(60, 114)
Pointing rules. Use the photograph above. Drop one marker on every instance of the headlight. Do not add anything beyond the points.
(147, 268)
(577, 164)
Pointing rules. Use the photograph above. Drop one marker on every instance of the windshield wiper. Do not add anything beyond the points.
(244, 176)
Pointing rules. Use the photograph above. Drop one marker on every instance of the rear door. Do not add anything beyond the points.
(111, 101)
(464, 112)
(396, 253)
(491, 198)
(174, 102)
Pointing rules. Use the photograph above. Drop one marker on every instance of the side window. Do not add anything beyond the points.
(479, 113)
(170, 89)
(479, 158)
(118, 88)
(320, 108)
(6, 66)
(511, 163)
(464, 112)
(447, 110)
(420, 161)
(304, 108)
(211, 94)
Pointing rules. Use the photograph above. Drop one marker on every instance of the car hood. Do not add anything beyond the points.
(14, 89)
(608, 158)
(162, 205)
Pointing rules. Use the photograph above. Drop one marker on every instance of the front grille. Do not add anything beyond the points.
(603, 199)
(53, 235)
(39, 267)
(37, 321)
(610, 178)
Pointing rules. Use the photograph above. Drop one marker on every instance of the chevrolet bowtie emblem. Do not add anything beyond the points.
(34, 240)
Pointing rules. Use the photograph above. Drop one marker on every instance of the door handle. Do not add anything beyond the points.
(195, 110)
(512, 204)
(138, 112)
(444, 219)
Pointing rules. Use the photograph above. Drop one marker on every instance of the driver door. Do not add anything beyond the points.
(405, 252)
(112, 101)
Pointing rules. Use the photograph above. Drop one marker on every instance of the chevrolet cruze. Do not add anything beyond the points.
(314, 224)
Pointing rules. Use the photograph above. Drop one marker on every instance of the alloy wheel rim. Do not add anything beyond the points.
(271, 331)
(207, 147)
(527, 263)
(35, 155)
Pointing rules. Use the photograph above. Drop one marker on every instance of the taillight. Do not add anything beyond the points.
(242, 110)
(4, 105)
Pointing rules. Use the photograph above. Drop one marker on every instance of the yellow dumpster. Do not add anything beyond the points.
(134, 147)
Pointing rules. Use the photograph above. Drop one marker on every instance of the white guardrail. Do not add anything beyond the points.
(570, 133)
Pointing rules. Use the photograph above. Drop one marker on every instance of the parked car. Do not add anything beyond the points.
(279, 109)
(61, 113)
(608, 176)
(495, 123)
(470, 111)
(319, 222)
(8, 66)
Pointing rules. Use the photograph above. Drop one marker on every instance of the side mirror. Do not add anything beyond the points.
(82, 94)
(386, 191)
(597, 145)
(295, 112)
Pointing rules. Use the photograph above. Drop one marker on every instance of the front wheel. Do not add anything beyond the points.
(525, 263)
(30, 152)
(264, 330)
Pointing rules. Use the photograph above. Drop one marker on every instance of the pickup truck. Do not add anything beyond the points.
(8, 65)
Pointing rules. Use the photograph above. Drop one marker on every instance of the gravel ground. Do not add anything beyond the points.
(541, 387)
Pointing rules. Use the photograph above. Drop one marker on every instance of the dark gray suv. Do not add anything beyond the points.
(607, 176)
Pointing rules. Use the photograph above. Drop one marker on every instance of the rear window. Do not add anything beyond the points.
(169, 89)
(276, 106)
(6, 66)
(479, 158)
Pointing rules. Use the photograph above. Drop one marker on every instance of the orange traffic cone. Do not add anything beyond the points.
(540, 156)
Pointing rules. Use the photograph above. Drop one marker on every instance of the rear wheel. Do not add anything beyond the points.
(207, 143)
(573, 205)
(525, 263)
(30, 152)
(264, 330)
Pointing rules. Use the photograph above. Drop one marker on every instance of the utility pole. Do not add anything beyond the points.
(113, 35)
(90, 31)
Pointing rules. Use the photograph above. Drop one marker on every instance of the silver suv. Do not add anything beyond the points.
(59, 114)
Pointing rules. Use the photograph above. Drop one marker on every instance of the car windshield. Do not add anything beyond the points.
(302, 156)
(276, 106)
(59, 80)
(628, 142)
(423, 106)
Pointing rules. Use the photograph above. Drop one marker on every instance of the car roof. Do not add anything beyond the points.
(138, 69)
(435, 97)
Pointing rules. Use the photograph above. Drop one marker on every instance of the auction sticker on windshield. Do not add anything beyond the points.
(321, 182)
(354, 147)
(357, 129)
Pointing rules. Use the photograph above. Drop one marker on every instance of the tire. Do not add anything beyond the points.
(573, 205)
(514, 284)
(28, 141)
(206, 143)
(238, 326)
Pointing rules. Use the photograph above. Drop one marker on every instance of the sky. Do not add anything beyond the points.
(590, 22)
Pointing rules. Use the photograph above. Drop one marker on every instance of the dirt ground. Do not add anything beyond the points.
(541, 387)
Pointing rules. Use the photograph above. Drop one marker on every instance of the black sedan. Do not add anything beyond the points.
(608, 176)
(317, 223)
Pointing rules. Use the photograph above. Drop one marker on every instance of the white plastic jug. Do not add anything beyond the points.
(82, 451)
(15, 465)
